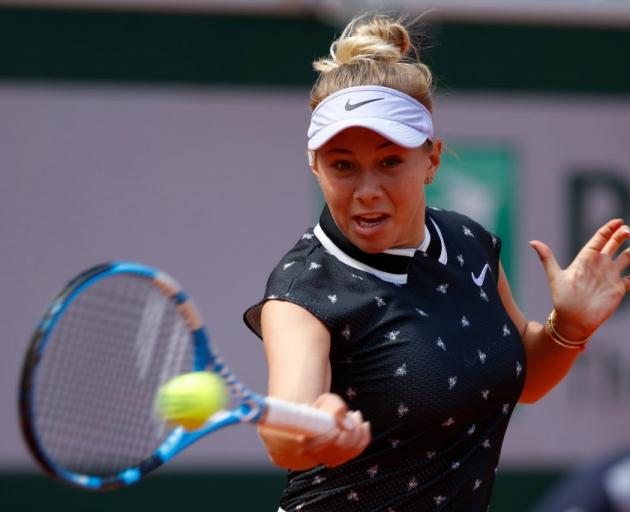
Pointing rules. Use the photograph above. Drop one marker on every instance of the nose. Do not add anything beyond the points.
(368, 187)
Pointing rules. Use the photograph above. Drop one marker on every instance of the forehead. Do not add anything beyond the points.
(358, 139)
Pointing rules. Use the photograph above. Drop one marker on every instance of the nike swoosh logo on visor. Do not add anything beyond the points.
(482, 276)
(350, 106)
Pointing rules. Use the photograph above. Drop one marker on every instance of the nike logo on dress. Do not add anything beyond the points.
(482, 276)
(350, 107)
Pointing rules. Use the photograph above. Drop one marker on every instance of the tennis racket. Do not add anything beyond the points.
(105, 345)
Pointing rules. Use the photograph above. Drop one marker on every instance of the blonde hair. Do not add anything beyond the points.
(374, 50)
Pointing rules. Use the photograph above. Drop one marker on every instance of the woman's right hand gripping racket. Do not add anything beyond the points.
(106, 345)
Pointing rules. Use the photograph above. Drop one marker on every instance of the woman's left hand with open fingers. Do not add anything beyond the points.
(589, 290)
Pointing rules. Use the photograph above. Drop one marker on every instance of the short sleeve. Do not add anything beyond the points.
(302, 277)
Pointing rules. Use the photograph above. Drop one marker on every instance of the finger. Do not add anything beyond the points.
(336, 407)
(348, 438)
(352, 441)
(357, 418)
(317, 445)
(339, 446)
(337, 439)
(623, 260)
(547, 259)
(360, 440)
(351, 420)
(603, 234)
(620, 235)
(347, 441)
(626, 283)
(364, 439)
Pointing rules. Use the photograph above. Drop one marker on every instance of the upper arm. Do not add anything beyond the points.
(508, 302)
(297, 347)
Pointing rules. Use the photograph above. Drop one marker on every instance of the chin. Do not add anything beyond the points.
(370, 246)
(373, 250)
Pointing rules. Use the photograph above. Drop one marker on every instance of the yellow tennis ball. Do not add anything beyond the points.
(190, 399)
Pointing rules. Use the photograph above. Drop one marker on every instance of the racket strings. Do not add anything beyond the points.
(116, 343)
(234, 385)
(249, 406)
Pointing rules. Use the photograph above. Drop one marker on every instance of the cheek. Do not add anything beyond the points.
(327, 190)
(409, 193)
(335, 191)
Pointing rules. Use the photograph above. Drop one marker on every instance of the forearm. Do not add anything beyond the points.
(547, 362)
(297, 347)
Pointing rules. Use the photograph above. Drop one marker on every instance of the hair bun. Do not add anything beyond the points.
(378, 39)
(375, 49)
(389, 31)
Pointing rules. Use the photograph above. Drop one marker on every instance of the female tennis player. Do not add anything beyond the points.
(402, 311)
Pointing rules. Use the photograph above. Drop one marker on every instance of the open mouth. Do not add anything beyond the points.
(369, 220)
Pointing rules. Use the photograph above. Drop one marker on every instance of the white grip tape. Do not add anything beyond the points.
(297, 418)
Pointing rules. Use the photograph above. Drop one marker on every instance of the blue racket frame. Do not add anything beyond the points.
(250, 409)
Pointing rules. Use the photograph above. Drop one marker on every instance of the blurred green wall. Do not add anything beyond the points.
(246, 50)
(220, 492)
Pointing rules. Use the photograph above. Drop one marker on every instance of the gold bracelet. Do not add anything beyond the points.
(561, 340)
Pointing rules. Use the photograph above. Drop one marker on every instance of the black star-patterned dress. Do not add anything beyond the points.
(422, 345)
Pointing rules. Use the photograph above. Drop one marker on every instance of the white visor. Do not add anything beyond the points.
(391, 113)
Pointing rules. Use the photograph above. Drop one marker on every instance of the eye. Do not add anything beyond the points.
(343, 165)
(391, 161)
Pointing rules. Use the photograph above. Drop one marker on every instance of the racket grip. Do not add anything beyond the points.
(296, 418)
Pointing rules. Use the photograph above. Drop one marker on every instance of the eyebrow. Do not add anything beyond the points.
(339, 150)
(348, 152)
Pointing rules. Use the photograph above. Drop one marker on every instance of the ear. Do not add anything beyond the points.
(435, 157)
(312, 162)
